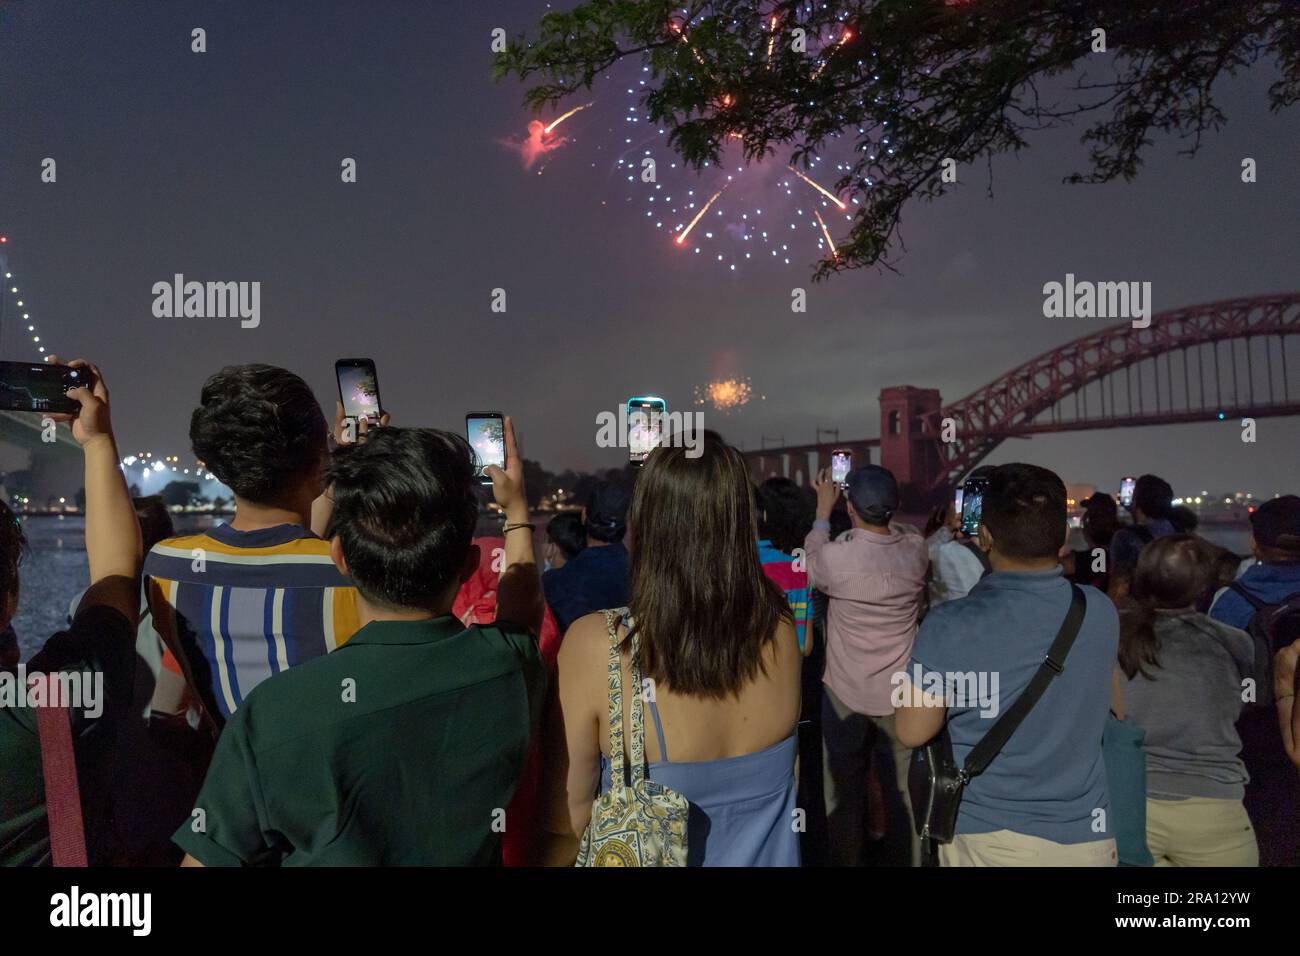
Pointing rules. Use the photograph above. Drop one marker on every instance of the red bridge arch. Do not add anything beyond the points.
(1115, 377)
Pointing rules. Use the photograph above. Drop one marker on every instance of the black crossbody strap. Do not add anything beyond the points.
(992, 742)
(1254, 602)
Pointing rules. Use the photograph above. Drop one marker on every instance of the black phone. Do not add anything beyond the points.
(486, 432)
(972, 503)
(359, 389)
(1126, 489)
(41, 387)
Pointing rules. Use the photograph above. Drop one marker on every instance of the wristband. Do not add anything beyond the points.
(514, 527)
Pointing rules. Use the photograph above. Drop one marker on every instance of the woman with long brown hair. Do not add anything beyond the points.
(719, 661)
(1187, 676)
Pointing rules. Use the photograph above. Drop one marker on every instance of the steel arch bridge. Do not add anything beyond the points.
(1230, 359)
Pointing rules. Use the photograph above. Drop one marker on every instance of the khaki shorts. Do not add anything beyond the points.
(1008, 848)
(1200, 831)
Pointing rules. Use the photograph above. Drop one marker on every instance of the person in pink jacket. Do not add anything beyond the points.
(875, 577)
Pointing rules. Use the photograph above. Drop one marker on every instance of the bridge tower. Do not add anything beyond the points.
(906, 448)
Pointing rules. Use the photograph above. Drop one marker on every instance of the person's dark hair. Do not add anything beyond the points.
(1099, 526)
(1024, 509)
(405, 507)
(1172, 573)
(155, 520)
(1153, 496)
(1275, 526)
(702, 604)
(13, 549)
(259, 429)
(1183, 519)
(785, 515)
(607, 511)
(566, 532)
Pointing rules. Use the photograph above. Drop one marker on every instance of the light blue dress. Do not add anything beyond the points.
(742, 808)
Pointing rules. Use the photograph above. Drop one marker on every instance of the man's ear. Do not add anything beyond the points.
(336, 555)
(984, 538)
(472, 558)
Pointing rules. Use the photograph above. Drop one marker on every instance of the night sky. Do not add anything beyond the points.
(225, 166)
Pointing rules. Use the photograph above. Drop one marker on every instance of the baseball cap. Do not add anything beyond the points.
(1276, 524)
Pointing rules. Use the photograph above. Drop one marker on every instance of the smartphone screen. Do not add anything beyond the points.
(645, 422)
(972, 504)
(39, 388)
(956, 500)
(358, 389)
(841, 465)
(1126, 491)
(486, 432)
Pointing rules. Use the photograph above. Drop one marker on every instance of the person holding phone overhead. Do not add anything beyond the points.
(99, 643)
(874, 577)
(242, 601)
(420, 725)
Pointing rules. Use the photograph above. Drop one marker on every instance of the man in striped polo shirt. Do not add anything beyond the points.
(245, 600)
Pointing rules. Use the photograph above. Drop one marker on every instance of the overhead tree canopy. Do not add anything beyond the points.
(913, 83)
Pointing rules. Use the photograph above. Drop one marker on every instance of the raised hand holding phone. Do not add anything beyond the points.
(508, 482)
(349, 430)
(828, 492)
(91, 420)
(519, 593)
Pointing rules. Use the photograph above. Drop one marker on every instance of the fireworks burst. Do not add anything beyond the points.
(725, 394)
(736, 212)
(754, 211)
(542, 138)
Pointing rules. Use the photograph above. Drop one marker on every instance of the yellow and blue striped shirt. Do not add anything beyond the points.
(244, 605)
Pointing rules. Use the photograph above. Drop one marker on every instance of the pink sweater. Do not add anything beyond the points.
(874, 582)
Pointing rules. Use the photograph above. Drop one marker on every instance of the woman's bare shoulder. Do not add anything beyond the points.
(587, 639)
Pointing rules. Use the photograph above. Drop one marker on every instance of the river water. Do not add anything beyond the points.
(54, 571)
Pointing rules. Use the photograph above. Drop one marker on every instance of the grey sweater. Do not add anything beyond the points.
(1189, 709)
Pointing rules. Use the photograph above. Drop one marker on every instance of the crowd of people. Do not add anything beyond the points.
(346, 672)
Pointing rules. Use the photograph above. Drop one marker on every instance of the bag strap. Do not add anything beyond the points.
(1054, 663)
(615, 671)
(1236, 588)
(637, 756)
(59, 768)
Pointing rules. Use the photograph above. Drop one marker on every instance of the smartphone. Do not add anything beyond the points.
(645, 422)
(972, 504)
(1126, 491)
(486, 432)
(841, 465)
(41, 387)
(956, 500)
(359, 389)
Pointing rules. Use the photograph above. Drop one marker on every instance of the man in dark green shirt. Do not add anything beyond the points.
(405, 745)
